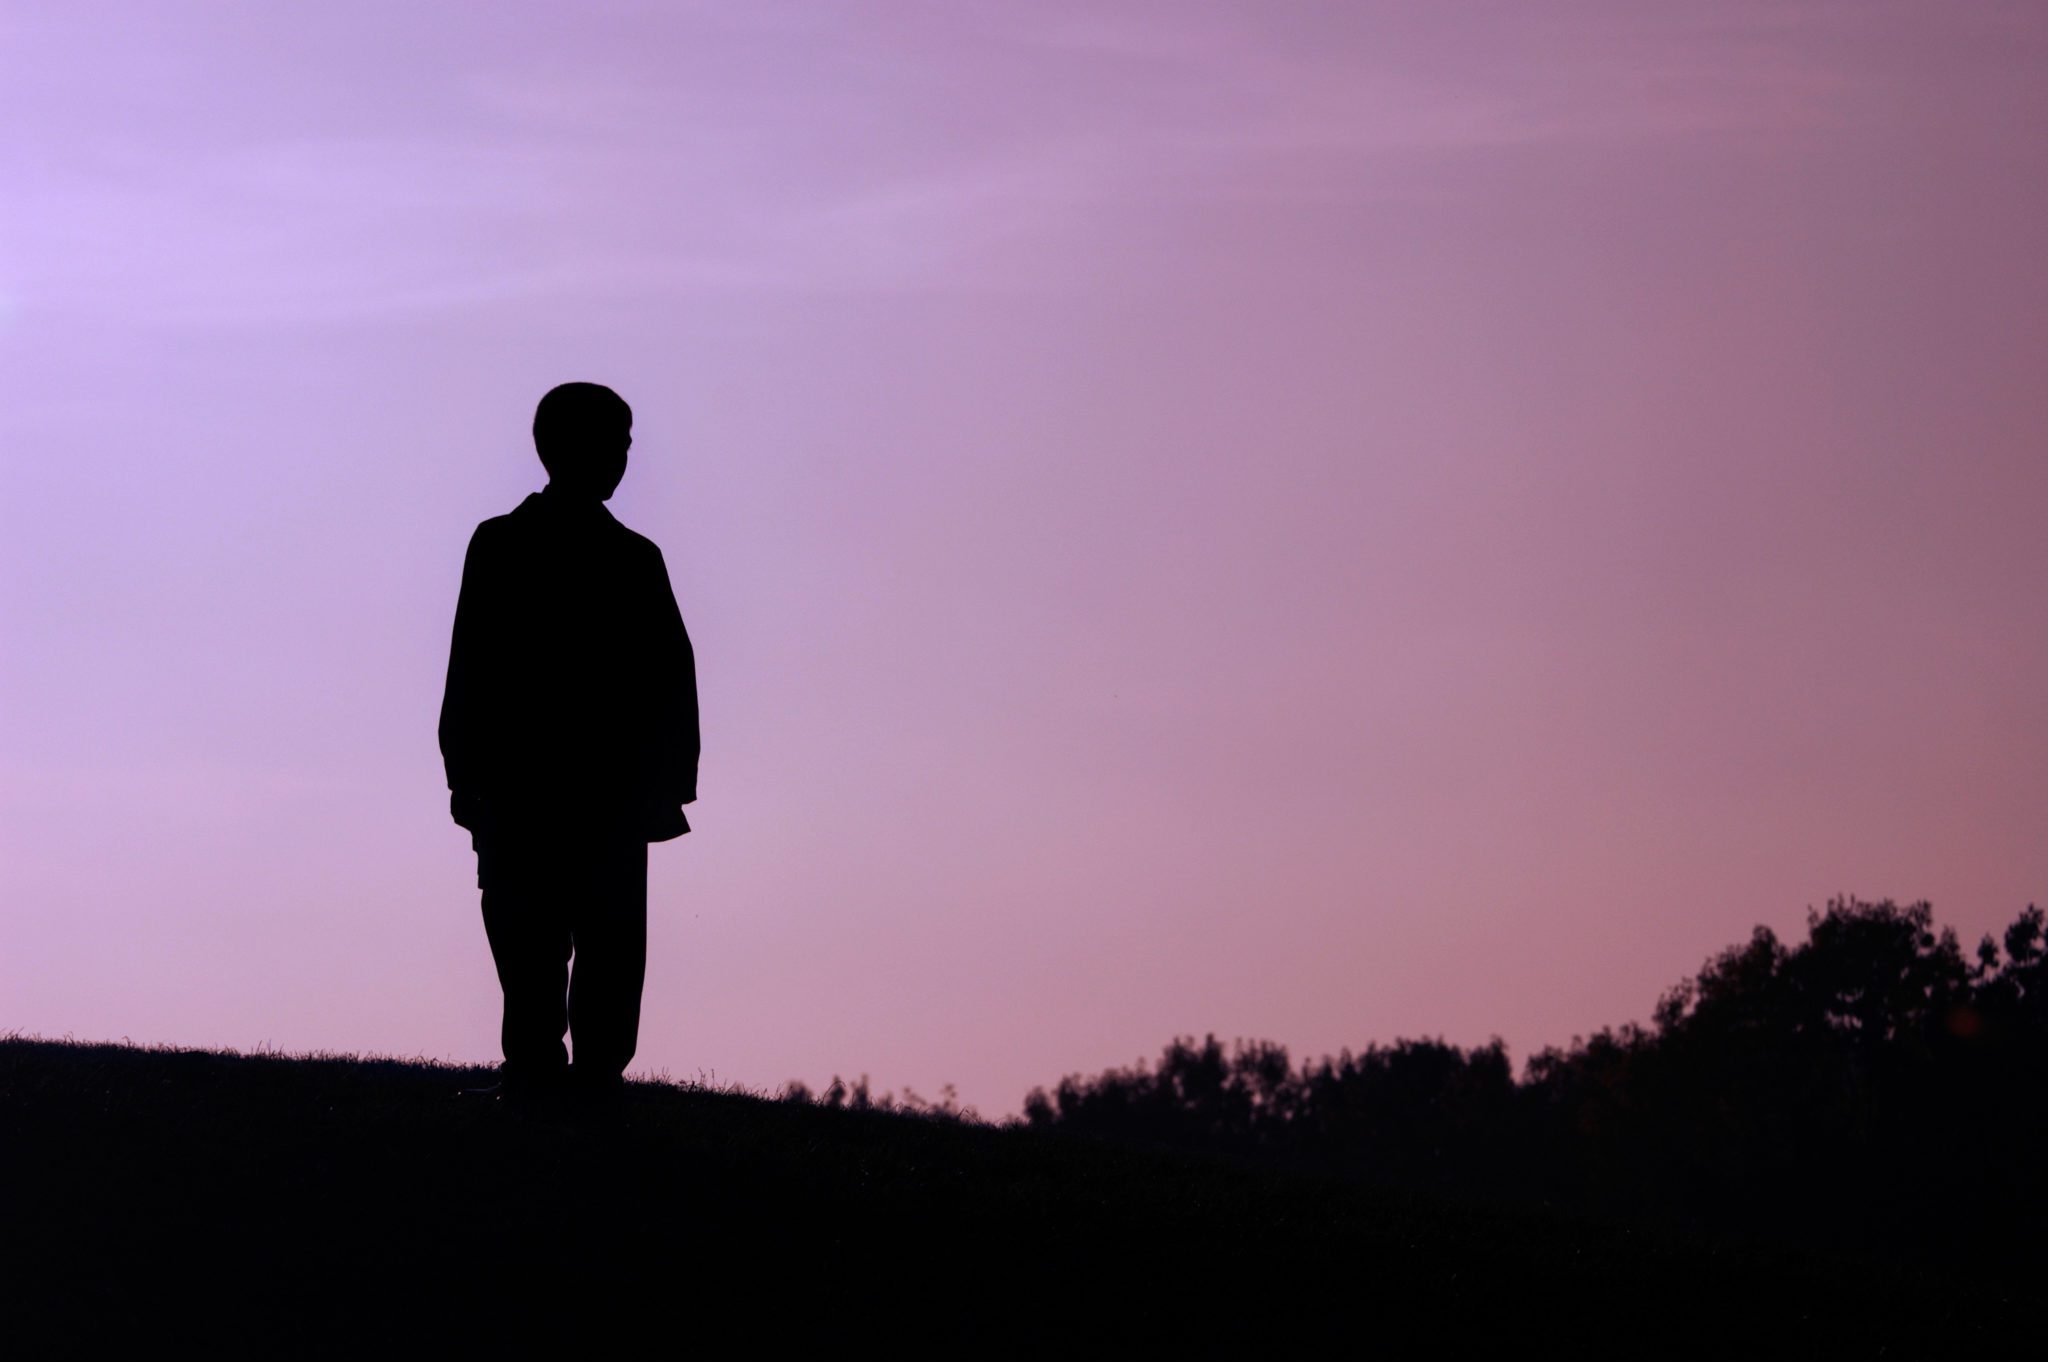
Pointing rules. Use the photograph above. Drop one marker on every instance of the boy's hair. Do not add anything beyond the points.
(571, 414)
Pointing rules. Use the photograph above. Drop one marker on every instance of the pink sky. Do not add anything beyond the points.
(1325, 522)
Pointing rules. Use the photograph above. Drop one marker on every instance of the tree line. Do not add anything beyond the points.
(1870, 1079)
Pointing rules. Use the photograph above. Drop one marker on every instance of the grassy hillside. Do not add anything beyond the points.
(301, 1205)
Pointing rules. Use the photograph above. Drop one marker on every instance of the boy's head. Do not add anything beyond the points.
(581, 432)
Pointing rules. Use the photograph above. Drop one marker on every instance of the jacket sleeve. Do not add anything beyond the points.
(677, 739)
(463, 699)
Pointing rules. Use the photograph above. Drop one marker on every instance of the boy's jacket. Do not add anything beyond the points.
(571, 703)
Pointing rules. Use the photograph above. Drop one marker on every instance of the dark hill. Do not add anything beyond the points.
(304, 1205)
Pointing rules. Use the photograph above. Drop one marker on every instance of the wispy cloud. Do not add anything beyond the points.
(806, 149)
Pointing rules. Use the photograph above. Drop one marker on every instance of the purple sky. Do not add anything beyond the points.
(1315, 521)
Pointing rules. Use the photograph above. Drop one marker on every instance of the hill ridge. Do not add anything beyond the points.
(143, 1180)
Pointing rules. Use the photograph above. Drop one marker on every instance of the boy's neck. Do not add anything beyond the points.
(556, 492)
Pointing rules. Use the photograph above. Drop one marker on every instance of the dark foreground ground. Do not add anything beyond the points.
(184, 1200)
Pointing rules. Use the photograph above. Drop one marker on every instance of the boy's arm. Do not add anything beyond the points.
(676, 735)
(462, 698)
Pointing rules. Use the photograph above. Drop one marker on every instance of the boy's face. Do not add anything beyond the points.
(600, 463)
(609, 461)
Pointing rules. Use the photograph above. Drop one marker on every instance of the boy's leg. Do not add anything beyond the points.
(525, 918)
(609, 926)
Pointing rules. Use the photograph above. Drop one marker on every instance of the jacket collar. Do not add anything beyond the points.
(573, 510)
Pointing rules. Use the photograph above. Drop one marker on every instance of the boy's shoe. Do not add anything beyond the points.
(597, 1094)
(514, 1090)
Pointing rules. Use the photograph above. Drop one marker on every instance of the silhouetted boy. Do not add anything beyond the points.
(569, 731)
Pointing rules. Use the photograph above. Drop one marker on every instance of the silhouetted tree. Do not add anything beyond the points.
(1868, 1079)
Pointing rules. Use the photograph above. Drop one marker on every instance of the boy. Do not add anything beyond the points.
(569, 733)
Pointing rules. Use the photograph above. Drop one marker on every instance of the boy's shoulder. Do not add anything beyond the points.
(491, 531)
(640, 543)
(523, 522)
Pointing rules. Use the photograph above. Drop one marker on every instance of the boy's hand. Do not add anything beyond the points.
(662, 819)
